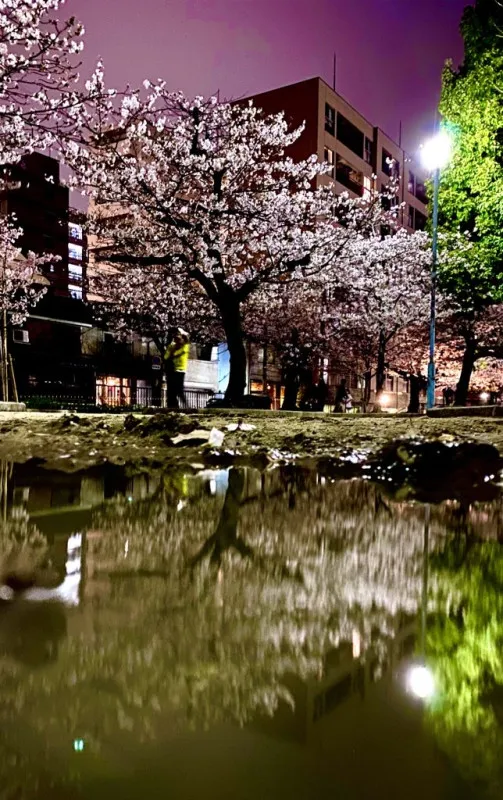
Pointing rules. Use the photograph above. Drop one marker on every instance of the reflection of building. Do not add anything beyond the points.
(348, 677)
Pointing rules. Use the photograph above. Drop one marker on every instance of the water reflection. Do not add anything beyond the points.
(279, 600)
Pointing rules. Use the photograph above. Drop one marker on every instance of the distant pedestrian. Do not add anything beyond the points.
(176, 359)
(341, 398)
(448, 396)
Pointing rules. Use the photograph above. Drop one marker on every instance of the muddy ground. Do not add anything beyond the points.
(72, 442)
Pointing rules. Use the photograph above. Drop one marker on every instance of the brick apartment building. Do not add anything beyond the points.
(61, 353)
(362, 158)
(47, 348)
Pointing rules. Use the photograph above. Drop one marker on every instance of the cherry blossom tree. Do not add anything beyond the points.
(288, 318)
(21, 286)
(385, 283)
(207, 190)
(38, 70)
(128, 304)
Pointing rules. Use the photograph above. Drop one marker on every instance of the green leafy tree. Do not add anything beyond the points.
(465, 648)
(472, 186)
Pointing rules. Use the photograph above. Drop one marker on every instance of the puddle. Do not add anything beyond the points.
(238, 634)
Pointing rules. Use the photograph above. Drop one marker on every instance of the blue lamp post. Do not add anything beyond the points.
(435, 155)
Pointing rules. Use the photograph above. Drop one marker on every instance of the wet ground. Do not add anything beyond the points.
(241, 633)
(73, 442)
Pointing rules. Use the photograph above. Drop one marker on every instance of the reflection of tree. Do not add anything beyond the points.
(200, 611)
(466, 648)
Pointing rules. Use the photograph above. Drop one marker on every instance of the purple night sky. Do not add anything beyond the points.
(389, 52)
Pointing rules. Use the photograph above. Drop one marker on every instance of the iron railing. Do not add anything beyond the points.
(115, 398)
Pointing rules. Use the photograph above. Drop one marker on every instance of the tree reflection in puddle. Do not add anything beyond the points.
(217, 596)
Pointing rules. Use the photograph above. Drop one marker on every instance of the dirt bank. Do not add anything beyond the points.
(75, 442)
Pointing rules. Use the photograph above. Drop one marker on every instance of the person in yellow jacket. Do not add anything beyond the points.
(176, 358)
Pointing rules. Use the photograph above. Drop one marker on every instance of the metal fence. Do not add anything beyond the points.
(116, 398)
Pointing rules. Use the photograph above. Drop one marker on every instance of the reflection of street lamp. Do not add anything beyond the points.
(435, 155)
(420, 680)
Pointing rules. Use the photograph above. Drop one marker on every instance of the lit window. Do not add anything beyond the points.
(75, 291)
(367, 186)
(329, 158)
(350, 177)
(75, 231)
(75, 251)
(74, 272)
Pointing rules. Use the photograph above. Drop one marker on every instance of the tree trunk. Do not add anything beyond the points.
(414, 394)
(292, 386)
(381, 365)
(367, 388)
(230, 310)
(469, 359)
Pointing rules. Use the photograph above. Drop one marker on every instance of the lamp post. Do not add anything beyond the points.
(435, 155)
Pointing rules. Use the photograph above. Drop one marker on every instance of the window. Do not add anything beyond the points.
(420, 221)
(411, 185)
(75, 231)
(20, 337)
(75, 251)
(411, 217)
(74, 272)
(75, 291)
(367, 187)
(421, 192)
(350, 135)
(329, 157)
(329, 119)
(369, 151)
(349, 176)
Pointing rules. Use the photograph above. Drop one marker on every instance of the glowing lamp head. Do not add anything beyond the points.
(436, 152)
(484, 397)
(420, 682)
(384, 400)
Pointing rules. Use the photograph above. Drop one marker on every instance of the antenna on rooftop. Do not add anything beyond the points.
(334, 84)
(400, 135)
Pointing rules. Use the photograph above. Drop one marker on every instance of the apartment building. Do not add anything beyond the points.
(362, 157)
(47, 348)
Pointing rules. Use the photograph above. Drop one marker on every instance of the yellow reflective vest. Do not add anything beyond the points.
(179, 355)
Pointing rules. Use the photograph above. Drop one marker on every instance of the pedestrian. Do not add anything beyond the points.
(448, 396)
(341, 396)
(176, 359)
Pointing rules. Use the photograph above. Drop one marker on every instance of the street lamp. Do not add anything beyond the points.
(435, 155)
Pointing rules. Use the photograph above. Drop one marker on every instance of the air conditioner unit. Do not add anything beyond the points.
(20, 336)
